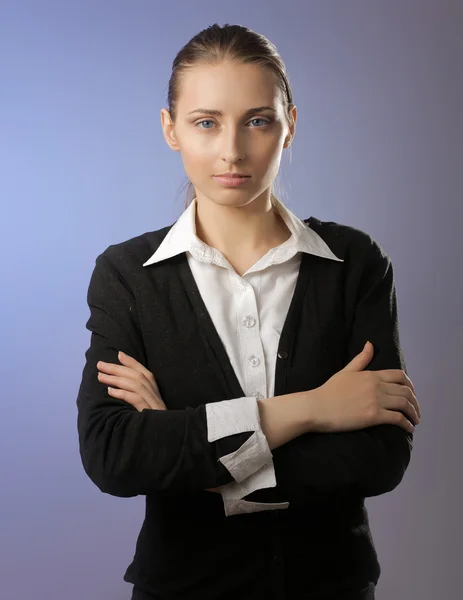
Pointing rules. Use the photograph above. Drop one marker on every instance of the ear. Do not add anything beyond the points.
(292, 128)
(169, 130)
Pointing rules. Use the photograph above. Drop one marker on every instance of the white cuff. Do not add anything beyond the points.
(238, 507)
(238, 416)
(233, 492)
(263, 478)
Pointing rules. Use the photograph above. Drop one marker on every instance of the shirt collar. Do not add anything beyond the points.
(182, 237)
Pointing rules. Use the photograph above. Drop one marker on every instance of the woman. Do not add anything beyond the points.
(244, 371)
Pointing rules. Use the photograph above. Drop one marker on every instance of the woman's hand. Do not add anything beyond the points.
(131, 382)
(354, 399)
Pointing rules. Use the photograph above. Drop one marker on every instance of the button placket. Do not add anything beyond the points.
(251, 343)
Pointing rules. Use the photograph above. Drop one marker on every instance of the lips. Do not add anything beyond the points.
(228, 176)
(229, 181)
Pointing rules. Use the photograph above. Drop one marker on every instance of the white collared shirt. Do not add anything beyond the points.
(248, 312)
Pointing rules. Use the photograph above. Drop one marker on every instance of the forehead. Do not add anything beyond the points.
(228, 85)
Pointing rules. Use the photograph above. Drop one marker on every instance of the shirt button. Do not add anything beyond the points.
(257, 395)
(282, 354)
(248, 321)
(253, 361)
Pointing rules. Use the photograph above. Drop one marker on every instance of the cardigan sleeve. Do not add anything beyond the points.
(126, 452)
(370, 461)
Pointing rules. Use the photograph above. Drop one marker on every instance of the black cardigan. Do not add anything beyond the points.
(187, 548)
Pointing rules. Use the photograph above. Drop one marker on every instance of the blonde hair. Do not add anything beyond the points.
(215, 44)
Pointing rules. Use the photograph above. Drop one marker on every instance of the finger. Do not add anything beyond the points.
(125, 382)
(123, 371)
(131, 362)
(406, 380)
(396, 418)
(401, 404)
(397, 389)
(133, 370)
(409, 383)
(134, 386)
(359, 362)
(136, 401)
(399, 376)
(396, 376)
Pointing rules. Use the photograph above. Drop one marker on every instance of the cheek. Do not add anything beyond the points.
(197, 159)
(270, 156)
(269, 146)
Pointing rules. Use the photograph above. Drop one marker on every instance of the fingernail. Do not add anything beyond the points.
(121, 353)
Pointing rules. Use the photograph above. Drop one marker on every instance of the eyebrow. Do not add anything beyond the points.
(219, 113)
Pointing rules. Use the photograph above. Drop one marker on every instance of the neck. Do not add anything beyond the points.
(240, 229)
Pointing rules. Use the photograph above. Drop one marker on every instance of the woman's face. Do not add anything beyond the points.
(231, 139)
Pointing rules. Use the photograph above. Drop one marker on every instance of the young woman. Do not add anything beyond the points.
(244, 371)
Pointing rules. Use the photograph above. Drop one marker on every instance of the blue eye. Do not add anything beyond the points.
(259, 119)
(205, 121)
(265, 122)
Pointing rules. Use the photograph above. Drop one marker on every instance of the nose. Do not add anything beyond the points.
(233, 146)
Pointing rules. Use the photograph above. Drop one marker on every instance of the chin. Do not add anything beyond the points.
(232, 198)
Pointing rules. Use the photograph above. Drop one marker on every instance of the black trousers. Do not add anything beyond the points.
(367, 593)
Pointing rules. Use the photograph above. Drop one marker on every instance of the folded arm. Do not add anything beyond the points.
(126, 452)
(366, 462)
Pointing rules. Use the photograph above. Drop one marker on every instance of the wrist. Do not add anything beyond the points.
(319, 418)
(308, 403)
(286, 417)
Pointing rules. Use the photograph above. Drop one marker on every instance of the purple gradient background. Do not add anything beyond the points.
(83, 163)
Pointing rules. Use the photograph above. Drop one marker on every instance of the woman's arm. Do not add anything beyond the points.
(126, 452)
(371, 460)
